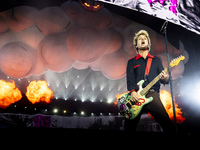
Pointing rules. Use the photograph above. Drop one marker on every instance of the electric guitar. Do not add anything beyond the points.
(130, 109)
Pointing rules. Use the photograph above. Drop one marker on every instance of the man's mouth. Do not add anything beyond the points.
(143, 43)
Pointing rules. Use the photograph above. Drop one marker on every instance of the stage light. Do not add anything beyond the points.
(55, 110)
(109, 101)
(82, 113)
(189, 89)
(74, 113)
(64, 111)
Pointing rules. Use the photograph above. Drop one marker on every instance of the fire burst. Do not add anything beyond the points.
(166, 99)
(38, 91)
(9, 93)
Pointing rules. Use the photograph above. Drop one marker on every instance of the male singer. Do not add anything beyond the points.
(136, 71)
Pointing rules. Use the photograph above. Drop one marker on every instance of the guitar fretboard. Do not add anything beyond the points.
(148, 87)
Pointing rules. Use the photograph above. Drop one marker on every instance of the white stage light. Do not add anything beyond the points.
(109, 101)
(55, 110)
(82, 113)
(189, 89)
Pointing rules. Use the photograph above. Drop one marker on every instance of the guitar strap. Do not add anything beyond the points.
(148, 66)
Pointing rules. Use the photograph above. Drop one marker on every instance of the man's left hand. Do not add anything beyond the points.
(164, 76)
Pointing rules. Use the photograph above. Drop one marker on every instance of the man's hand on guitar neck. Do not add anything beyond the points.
(164, 76)
(134, 96)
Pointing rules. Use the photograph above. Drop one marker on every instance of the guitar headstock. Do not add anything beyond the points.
(176, 61)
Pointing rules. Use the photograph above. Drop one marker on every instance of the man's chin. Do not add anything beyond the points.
(143, 48)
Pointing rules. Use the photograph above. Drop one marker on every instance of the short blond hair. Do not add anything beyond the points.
(141, 32)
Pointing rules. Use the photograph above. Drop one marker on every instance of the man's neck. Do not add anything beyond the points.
(143, 53)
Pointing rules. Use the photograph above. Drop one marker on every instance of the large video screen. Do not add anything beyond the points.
(182, 12)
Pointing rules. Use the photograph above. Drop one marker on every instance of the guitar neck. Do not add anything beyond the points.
(148, 87)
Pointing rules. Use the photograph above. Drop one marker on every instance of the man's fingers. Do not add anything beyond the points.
(134, 96)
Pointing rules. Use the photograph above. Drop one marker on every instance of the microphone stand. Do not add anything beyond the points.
(164, 28)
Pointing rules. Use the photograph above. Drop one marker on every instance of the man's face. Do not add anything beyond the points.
(142, 42)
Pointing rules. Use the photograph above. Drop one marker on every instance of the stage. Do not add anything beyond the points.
(63, 64)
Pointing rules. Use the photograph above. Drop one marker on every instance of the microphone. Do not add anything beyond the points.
(164, 26)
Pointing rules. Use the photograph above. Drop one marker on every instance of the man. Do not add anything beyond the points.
(136, 71)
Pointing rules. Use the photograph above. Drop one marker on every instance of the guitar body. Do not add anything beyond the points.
(129, 109)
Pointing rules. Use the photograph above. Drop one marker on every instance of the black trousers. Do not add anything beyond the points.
(157, 110)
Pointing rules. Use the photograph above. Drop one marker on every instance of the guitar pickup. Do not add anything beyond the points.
(129, 105)
(122, 99)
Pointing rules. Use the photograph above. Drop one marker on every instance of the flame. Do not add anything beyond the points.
(38, 91)
(166, 99)
(9, 93)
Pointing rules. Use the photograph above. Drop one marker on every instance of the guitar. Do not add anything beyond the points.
(130, 109)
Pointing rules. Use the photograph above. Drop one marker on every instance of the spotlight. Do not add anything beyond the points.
(82, 113)
(55, 110)
(109, 101)
(64, 111)
(91, 5)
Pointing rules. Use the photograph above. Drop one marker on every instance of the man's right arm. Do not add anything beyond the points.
(131, 83)
(130, 77)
